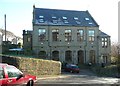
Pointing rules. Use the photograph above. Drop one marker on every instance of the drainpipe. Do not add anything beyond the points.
(85, 43)
(49, 54)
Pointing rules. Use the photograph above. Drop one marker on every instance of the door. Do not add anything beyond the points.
(80, 57)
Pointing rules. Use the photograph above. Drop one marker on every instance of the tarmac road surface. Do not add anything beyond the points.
(84, 78)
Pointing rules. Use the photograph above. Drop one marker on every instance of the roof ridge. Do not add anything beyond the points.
(61, 9)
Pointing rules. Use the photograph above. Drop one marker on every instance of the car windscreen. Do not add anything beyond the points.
(13, 71)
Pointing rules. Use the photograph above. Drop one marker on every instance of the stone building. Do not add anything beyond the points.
(0, 43)
(68, 36)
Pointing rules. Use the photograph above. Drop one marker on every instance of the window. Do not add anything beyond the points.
(104, 42)
(53, 17)
(80, 35)
(76, 18)
(90, 23)
(91, 35)
(68, 35)
(41, 20)
(55, 35)
(41, 16)
(66, 22)
(78, 22)
(64, 17)
(42, 33)
(28, 39)
(55, 21)
(87, 19)
(12, 71)
(42, 54)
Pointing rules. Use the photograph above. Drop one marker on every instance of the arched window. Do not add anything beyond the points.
(55, 55)
(68, 56)
(42, 54)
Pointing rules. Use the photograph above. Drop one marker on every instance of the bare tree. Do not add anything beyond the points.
(114, 52)
(9, 35)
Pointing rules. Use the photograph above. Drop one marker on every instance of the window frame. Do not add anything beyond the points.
(80, 35)
(91, 34)
(55, 35)
(68, 35)
(64, 18)
(104, 42)
(41, 34)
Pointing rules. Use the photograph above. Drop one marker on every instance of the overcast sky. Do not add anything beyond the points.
(19, 13)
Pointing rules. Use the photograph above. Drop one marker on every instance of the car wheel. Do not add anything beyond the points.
(71, 71)
(30, 83)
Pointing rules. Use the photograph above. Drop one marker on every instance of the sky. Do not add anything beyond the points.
(19, 13)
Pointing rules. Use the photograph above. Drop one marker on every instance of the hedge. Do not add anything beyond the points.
(33, 65)
(109, 71)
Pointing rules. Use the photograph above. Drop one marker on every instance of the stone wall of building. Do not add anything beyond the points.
(62, 46)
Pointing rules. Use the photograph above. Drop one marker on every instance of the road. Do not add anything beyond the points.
(84, 78)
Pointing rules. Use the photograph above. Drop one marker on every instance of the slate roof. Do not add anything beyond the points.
(45, 16)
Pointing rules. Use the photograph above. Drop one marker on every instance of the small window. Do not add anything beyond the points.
(87, 19)
(28, 39)
(55, 21)
(41, 20)
(64, 17)
(105, 39)
(78, 22)
(102, 39)
(54, 17)
(76, 18)
(66, 22)
(41, 16)
(104, 42)
(90, 23)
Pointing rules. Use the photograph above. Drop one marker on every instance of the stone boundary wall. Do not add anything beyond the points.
(34, 66)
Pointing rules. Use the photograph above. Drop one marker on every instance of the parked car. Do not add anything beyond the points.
(10, 76)
(72, 68)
